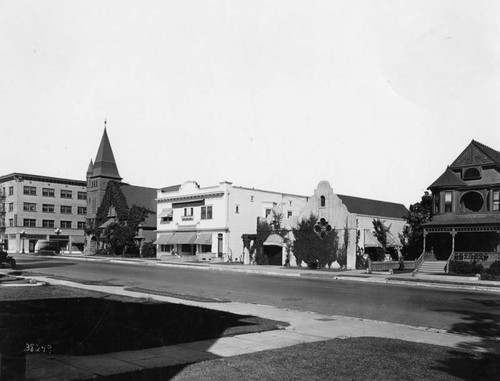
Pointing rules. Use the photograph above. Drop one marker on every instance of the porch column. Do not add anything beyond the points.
(425, 236)
(453, 234)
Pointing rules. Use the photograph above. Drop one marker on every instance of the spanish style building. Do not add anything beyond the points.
(212, 222)
(36, 207)
(466, 209)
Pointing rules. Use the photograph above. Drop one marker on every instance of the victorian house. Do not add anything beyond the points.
(466, 211)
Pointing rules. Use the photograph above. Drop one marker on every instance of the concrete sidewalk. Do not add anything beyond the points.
(304, 327)
(419, 280)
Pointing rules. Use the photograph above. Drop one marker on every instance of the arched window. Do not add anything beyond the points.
(322, 201)
(471, 173)
(472, 202)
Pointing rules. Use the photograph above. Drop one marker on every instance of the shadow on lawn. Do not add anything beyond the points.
(90, 326)
(486, 326)
(29, 265)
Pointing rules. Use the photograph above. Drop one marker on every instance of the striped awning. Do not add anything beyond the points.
(166, 212)
(370, 240)
(204, 239)
(274, 240)
(163, 239)
(186, 238)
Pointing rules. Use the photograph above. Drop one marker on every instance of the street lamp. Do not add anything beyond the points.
(58, 232)
(23, 236)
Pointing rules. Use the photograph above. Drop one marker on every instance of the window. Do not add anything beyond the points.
(237, 209)
(166, 248)
(267, 212)
(471, 202)
(65, 224)
(30, 191)
(436, 203)
(166, 220)
(81, 225)
(206, 212)
(188, 212)
(48, 223)
(322, 201)
(496, 200)
(448, 199)
(66, 193)
(29, 207)
(94, 207)
(11, 207)
(11, 222)
(471, 173)
(289, 214)
(82, 210)
(82, 195)
(48, 192)
(251, 198)
(290, 202)
(29, 222)
(65, 209)
(11, 191)
(48, 208)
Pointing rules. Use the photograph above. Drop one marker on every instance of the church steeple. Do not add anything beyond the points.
(104, 164)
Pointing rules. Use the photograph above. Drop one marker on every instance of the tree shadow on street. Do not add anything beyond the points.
(482, 358)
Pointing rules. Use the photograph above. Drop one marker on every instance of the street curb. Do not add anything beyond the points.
(207, 267)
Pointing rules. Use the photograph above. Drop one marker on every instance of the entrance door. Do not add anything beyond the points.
(274, 255)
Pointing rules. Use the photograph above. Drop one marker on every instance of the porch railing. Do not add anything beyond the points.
(450, 258)
(419, 261)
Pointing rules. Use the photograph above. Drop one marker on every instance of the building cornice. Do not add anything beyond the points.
(190, 197)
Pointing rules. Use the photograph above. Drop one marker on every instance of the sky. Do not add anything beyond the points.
(376, 97)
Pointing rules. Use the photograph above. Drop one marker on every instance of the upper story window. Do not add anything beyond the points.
(322, 201)
(237, 209)
(251, 198)
(11, 191)
(11, 207)
(289, 214)
(471, 202)
(268, 212)
(48, 192)
(82, 210)
(496, 200)
(31, 191)
(82, 195)
(448, 201)
(436, 203)
(471, 174)
(65, 224)
(206, 212)
(188, 212)
(81, 225)
(65, 209)
(48, 208)
(29, 222)
(29, 207)
(65, 193)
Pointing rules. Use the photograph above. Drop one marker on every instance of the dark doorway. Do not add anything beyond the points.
(274, 255)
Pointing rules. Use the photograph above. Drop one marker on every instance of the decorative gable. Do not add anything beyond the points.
(472, 155)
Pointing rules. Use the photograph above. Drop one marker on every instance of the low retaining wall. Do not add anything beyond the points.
(390, 265)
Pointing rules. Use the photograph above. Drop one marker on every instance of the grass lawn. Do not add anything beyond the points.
(349, 359)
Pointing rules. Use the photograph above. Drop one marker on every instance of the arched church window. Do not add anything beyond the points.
(322, 201)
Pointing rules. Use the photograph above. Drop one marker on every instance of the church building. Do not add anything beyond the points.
(103, 179)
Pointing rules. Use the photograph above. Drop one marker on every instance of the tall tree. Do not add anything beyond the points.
(412, 238)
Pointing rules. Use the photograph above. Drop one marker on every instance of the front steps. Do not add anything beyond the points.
(432, 267)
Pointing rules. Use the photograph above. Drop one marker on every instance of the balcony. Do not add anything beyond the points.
(187, 218)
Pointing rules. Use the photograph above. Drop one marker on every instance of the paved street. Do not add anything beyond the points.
(470, 312)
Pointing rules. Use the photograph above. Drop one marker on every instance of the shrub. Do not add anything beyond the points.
(459, 267)
(494, 269)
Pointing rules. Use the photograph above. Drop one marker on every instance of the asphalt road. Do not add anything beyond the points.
(470, 312)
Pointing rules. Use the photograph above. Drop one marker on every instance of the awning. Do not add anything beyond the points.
(370, 240)
(107, 223)
(204, 239)
(186, 238)
(78, 239)
(274, 240)
(163, 239)
(166, 212)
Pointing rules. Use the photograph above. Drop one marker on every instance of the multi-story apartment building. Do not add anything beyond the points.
(35, 207)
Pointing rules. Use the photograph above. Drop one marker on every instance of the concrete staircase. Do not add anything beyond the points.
(432, 267)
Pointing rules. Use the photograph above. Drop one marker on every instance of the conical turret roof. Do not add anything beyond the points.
(104, 163)
(90, 170)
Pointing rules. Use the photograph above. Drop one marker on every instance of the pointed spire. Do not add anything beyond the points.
(90, 170)
(104, 164)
